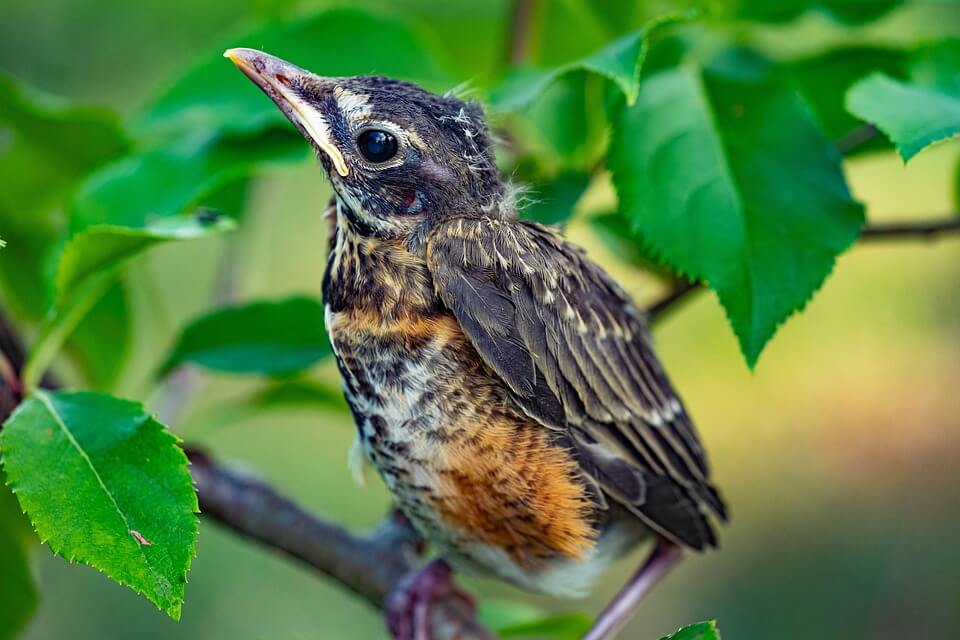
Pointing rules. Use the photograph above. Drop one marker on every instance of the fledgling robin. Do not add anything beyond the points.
(502, 383)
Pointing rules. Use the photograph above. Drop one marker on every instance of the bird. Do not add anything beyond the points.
(503, 384)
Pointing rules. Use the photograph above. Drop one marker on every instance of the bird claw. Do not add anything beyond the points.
(411, 607)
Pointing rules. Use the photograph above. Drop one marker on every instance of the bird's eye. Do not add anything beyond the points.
(377, 145)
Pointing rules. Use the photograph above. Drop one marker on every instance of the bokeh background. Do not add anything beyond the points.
(838, 455)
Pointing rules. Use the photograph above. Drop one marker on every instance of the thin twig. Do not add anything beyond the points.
(857, 138)
(680, 291)
(926, 230)
(519, 35)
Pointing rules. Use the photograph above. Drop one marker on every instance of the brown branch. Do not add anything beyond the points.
(372, 566)
(857, 138)
(519, 34)
(681, 290)
(926, 230)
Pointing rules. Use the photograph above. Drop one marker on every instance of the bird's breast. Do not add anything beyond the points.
(472, 471)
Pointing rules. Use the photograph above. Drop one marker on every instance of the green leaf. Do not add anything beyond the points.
(552, 202)
(620, 62)
(18, 593)
(275, 337)
(730, 181)
(848, 11)
(569, 626)
(106, 485)
(913, 117)
(89, 266)
(182, 174)
(339, 42)
(100, 343)
(104, 247)
(823, 81)
(617, 233)
(45, 145)
(699, 631)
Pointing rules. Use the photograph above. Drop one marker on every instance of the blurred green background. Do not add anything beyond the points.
(838, 454)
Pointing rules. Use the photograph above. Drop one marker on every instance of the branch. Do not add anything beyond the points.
(372, 566)
(857, 138)
(518, 43)
(927, 230)
(681, 290)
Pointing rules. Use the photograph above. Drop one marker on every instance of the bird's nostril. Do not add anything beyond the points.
(282, 79)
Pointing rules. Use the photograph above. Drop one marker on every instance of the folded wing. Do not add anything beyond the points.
(576, 355)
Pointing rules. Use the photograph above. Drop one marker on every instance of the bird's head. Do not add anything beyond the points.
(400, 158)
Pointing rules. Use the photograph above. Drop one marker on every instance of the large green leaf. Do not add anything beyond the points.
(730, 181)
(699, 631)
(185, 173)
(87, 270)
(619, 62)
(912, 116)
(276, 337)
(18, 593)
(105, 484)
(340, 42)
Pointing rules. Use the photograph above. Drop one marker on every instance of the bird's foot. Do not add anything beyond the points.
(428, 605)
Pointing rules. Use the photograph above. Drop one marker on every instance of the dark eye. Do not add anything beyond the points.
(377, 145)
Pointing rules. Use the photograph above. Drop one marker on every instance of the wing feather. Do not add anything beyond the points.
(576, 355)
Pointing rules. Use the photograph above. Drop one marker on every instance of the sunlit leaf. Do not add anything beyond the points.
(699, 631)
(276, 337)
(186, 173)
(88, 268)
(823, 81)
(339, 42)
(106, 246)
(913, 117)
(106, 485)
(620, 62)
(703, 171)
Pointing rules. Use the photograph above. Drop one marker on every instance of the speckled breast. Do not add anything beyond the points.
(474, 474)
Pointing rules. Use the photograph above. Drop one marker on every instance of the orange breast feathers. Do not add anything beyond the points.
(512, 488)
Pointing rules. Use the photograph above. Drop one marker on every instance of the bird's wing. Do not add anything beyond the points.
(575, 353)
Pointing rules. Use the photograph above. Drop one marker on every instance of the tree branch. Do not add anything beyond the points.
(519, 34)
(928, 230)
(372, 566)
(857, 138)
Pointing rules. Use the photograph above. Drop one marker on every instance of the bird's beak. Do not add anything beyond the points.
(276, 78)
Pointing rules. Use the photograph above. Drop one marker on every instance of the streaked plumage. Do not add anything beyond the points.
(503, 385)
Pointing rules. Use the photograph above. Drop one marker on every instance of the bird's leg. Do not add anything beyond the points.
(665, 556)
(411, 608)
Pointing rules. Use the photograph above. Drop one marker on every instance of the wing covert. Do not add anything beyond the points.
(575, 353)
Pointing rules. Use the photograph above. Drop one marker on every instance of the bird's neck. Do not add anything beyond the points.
(376, 276)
